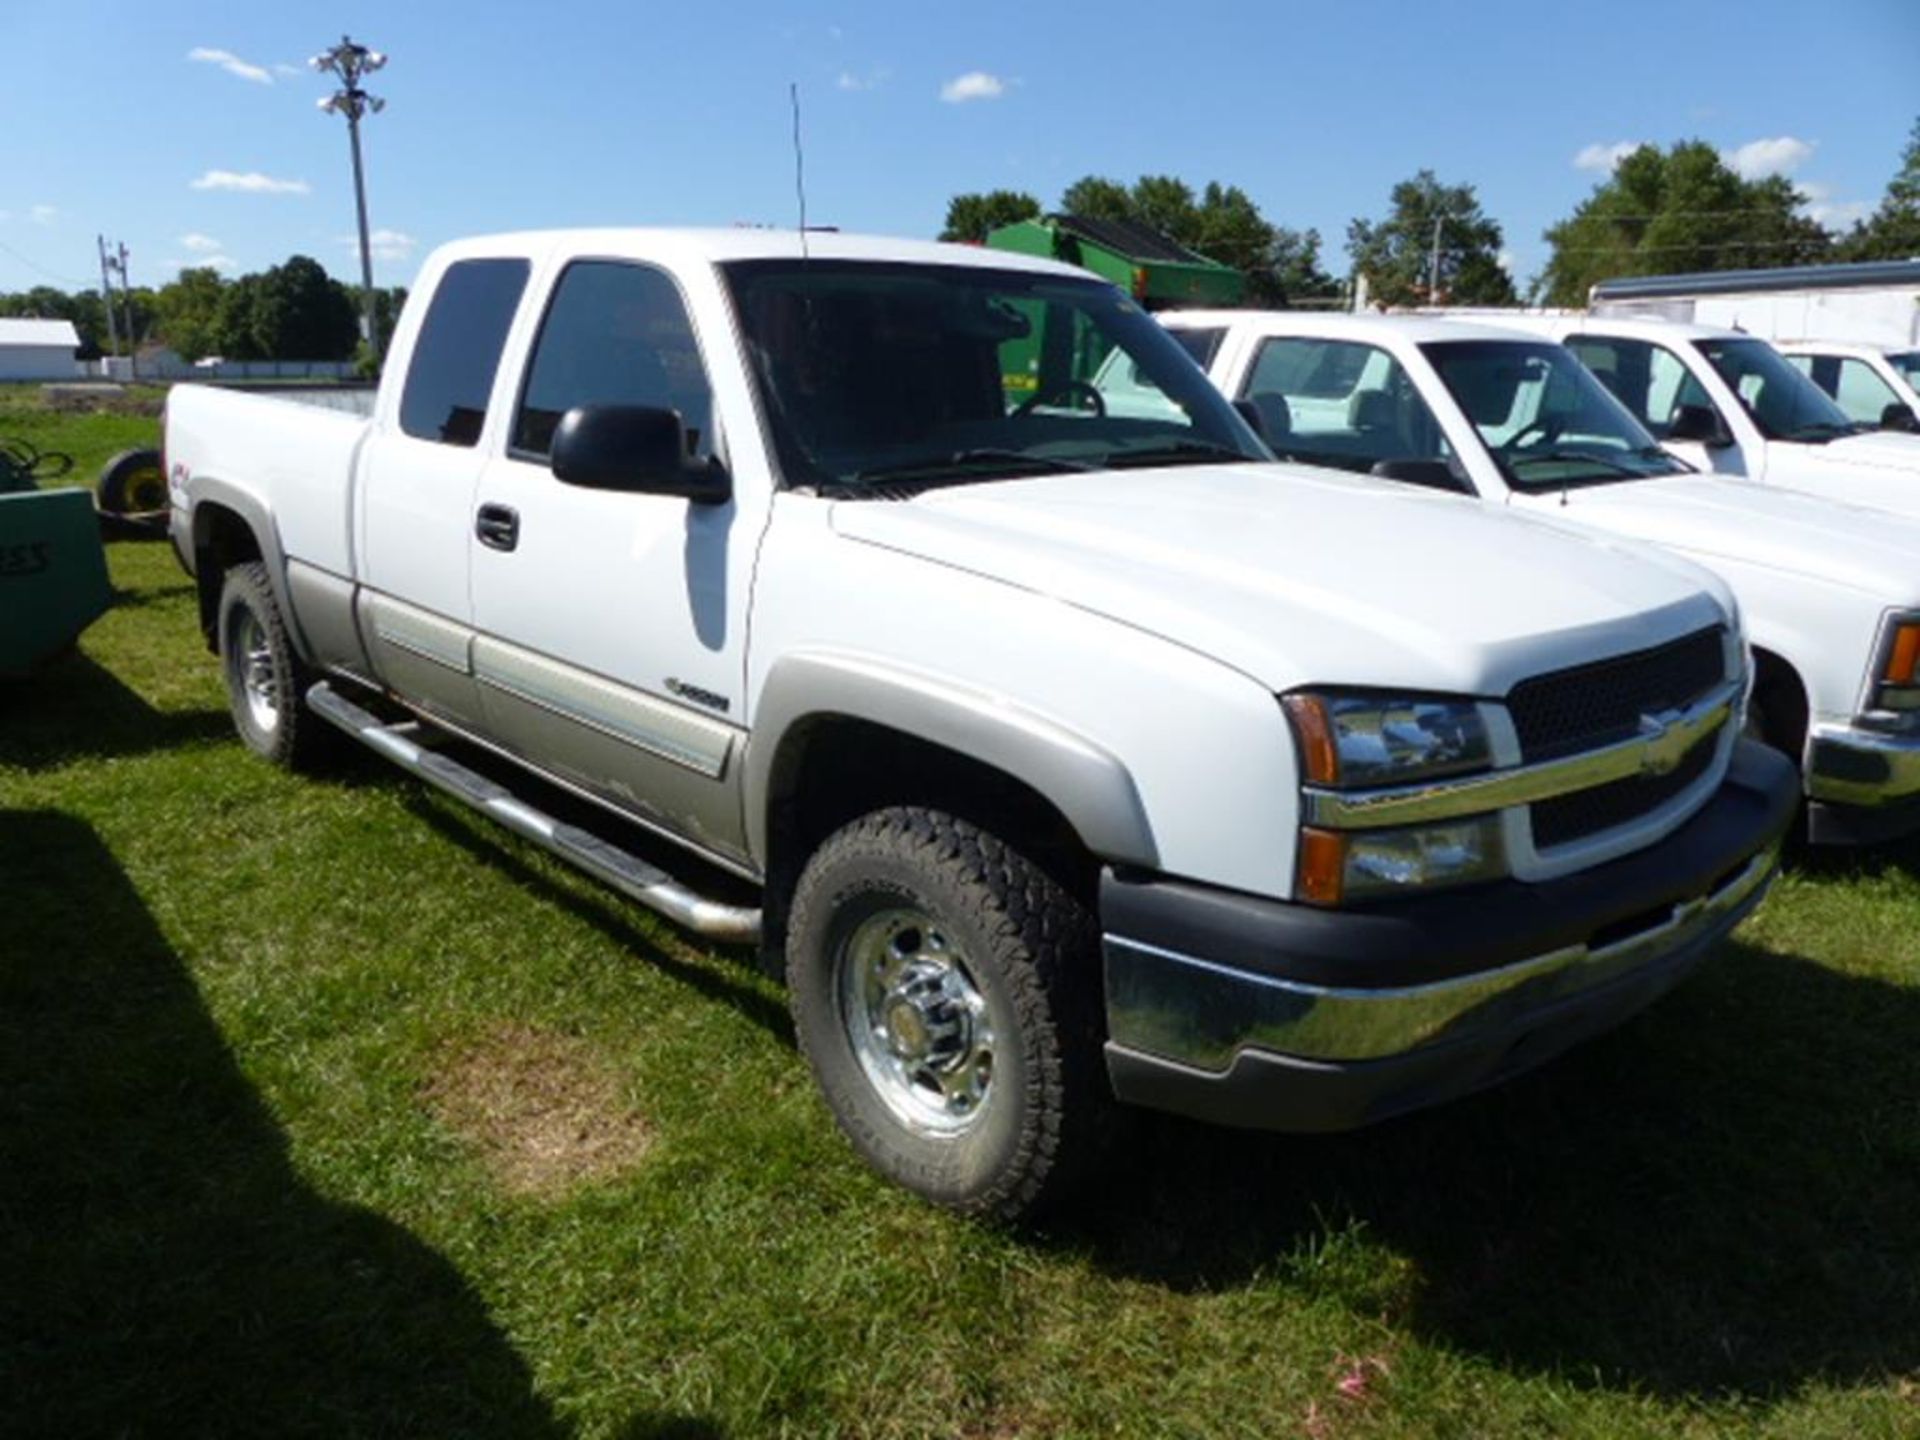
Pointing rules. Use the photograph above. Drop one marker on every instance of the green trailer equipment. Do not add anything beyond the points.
(1157, 272)
(53, 571)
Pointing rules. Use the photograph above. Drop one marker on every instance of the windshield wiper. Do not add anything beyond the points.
(1175, 452)
(962, 466)
(1568, 457)
(1821, 430)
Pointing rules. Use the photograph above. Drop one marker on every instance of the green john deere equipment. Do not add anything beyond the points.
(1157, 272)
(53, 570)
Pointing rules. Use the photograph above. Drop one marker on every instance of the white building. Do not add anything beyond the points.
(38, 350)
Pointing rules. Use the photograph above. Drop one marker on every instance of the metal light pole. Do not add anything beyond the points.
(350, 62)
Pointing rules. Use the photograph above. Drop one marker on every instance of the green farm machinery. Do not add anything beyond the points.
(53, 570)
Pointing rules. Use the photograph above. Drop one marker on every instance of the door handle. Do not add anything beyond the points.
(498, 526)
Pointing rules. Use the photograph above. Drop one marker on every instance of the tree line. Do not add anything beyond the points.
(1676, 210)
(291, 311)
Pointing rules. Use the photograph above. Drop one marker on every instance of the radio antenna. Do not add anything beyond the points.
(799, 165)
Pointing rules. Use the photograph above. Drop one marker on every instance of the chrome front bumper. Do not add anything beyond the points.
(1201, 1015)
(1847, 765)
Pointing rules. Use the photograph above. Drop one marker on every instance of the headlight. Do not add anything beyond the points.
(1349, 740)
(1898, 686)
(1338, 867)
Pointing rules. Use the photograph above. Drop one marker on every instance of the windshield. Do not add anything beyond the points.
(1907, 362)
(1782, 402)
(1547, 422)
(879, 378)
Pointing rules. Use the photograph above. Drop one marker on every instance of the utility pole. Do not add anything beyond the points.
(350, 62)
(106, 298)
(1433, 271)
(126, 303)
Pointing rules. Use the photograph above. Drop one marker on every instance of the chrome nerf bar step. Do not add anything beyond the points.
(608, 863)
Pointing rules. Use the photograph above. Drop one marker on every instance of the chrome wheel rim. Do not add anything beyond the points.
(917, 1022)
(252, 662)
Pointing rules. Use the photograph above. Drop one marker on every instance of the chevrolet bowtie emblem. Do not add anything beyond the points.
(1668, 739)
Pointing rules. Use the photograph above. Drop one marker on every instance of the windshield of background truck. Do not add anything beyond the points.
(1907, 362)
(874, 377)
(1782, 402)
(1547, 422)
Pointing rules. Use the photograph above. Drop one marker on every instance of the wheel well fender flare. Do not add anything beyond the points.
(211, 498)
(1084, 781)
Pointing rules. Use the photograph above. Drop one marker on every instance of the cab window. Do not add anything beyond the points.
(1649, 379)
(614, 334)
(1340, 403)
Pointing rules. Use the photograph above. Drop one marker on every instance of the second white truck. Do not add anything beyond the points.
(1831, 591)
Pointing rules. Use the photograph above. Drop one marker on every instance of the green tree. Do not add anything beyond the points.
(1676, 211)
(305, 314)
(1396, 254)
(970, 217)
(1892, 232)
(1097, 198)
(1294, 265)
(188, 312)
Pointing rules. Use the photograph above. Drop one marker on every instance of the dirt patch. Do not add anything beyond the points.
(541, 1108)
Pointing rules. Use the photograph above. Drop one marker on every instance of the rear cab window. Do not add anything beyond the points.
(450, 375)
(1340, 403)
(1649, 379)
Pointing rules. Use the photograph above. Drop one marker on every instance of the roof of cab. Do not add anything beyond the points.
(744, 243)
(1417, 329)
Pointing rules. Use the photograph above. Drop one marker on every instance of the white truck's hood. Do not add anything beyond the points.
(1789, 532)
(1296, 576)
(1879, 469)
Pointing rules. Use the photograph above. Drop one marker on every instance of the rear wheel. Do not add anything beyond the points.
(944, 990)
(265, 677)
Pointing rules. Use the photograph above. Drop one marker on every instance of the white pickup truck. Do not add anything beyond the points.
(1730, 403)
(1831, 592)
(1071, 757)
(1873, 385)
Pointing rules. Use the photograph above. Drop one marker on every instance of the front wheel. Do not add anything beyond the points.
(945, 991)
(265, 677)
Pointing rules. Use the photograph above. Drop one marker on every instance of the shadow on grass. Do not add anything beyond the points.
(166, 1270)
(1719, 1199)
(75, 709)
(608, 913)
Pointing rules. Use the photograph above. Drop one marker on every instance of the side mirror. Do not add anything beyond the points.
(1430, 474)
(1701, 424)
(636, 448)
(1898, 417)
(1250, 413)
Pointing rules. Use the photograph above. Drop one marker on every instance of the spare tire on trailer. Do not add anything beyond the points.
(134, 482)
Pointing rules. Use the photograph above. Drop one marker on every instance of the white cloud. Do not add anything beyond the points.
(282, 68)
(872, 80)
(199, 243)
(974, 85)
(250, 182)
(1603, 157)
(43, 214)
(1782, 155)
(225, 264)
(383, 244)
(1505, 261)
(231, 63)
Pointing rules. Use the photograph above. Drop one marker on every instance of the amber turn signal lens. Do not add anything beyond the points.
(1319, 755)
(1323, 866)
(1903, 664)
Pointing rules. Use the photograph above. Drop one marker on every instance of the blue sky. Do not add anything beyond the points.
(189, 130)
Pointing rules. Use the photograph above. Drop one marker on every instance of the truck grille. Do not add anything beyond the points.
(1600, 704)
(1566, 818)
(1591, 706)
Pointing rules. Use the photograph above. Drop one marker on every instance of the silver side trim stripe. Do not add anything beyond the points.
(1664, 741)
(659, 727)
(421, 633)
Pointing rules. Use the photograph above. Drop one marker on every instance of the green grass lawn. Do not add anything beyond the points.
(326, 1109)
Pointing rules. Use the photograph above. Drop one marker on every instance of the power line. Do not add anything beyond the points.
(41, 269)
(1803, 244)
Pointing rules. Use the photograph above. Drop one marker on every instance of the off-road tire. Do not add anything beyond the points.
(249, 622)
(1031, 949)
